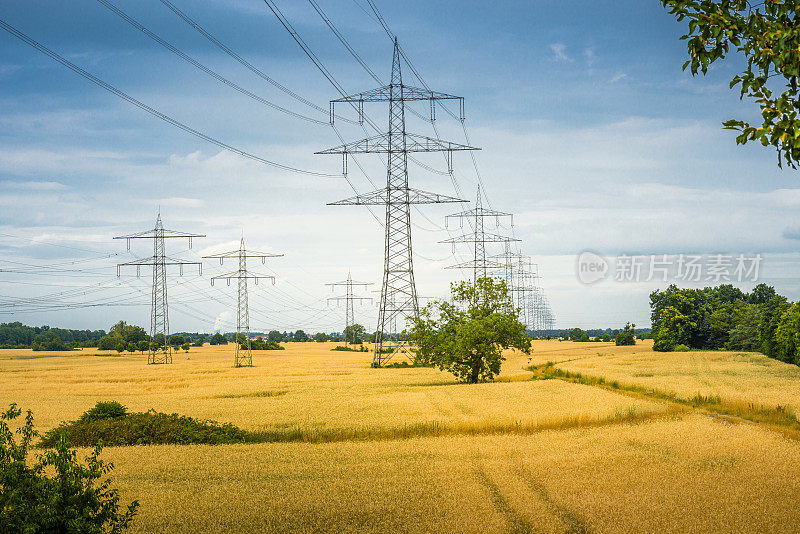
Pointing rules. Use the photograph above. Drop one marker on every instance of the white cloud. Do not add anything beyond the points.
(560, 52)
(224, 321)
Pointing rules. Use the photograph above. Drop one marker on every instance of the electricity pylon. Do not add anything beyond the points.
(243, 357)
(522, 277)
(159, 315)
(349, 298)
(480, 264)
(399, 300)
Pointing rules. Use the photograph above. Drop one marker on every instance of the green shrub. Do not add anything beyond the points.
(261, 344)
(406, 364)
(57, 493)
(104, 410)
(681, 348)
(148, 428)
(342, 348)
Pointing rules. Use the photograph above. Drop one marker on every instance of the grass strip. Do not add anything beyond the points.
(781, 418)
(152, 428)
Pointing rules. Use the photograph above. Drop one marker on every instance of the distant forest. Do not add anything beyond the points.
(724, 317)
(19, 336)
(126, 337)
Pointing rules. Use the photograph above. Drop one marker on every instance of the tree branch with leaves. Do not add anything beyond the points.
(767, 34)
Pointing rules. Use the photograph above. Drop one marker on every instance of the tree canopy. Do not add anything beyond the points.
(724, 317)
(627, 336)
(355, 334)
(767, 34)
(469, 334)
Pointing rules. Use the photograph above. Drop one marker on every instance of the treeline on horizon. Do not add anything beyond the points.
(725, 317)
(599, 334)
(126, 337)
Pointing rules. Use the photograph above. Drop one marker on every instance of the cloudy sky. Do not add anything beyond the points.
(590, 134)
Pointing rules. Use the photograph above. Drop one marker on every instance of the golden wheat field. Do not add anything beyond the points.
(514, 455)
(735, 376)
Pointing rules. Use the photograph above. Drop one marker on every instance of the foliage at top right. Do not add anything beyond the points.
(767, 34)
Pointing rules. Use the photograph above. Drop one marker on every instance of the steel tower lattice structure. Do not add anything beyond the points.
(399, 300)
(159, 314)
(243, 356)
(480, 263)
(350, 299)
(522, 278)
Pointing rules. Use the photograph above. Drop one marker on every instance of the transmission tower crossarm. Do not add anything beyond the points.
(353, 283)
(486, 237)
(478, 212)
(235, 275)
(152, 261)
(382, 197)
(409, 93)
(381, 144)
(472, 264)
(346, 297)
(248, 254)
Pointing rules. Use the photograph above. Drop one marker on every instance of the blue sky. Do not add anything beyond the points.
(591, 135)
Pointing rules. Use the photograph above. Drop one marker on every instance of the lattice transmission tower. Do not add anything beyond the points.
(522, 278)
(159, 349)
(243, 355)
(349, 299)
(481, 265)
(399, 300)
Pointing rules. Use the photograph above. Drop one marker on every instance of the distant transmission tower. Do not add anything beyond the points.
(480, 264)
(243, 357)
(349, 298)
(522, 277)
(159, 316)
(399, 300)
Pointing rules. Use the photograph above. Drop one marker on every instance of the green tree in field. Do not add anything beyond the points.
(56, 492)
(320, 337)
(106, 343)
(577, 334)
(767, 36)
(355, 334)
(788, 335)
(143, 346)
(218, 339)
(627, 336)
(466, 336)
(185, 347)
(275, 336)
(128, 332)
(300, 336)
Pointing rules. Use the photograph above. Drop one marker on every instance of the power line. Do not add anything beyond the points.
(258, 72)
(110, 88)
(136, 24)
